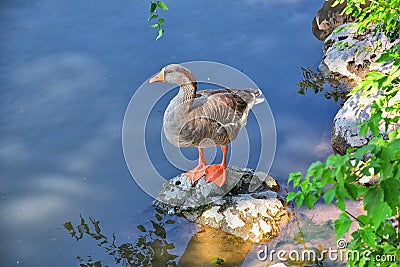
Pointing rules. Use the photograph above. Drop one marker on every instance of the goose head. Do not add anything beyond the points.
(174, 73)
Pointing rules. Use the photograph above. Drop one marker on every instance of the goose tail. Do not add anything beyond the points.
(258, 97)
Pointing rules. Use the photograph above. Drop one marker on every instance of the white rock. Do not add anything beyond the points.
(357, 57)
(265, 227)
(247, 217)
(232, 220)
(213, 213)
(256, 229)
(352, 62)
(246, 206)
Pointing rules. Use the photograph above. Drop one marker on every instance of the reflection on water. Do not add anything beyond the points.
(150, 248)
(332, 87)
(210, 246)
(310, 232)
(153, 246)
(154, 243)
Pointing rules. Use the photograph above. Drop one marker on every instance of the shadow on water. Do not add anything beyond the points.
(332, 87)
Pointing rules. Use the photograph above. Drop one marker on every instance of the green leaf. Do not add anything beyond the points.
(342, 225)
(160, 34)
(395, 72)
(337, 2)
(389, 230)
(310, 201)
(153, 7)
(299, 200)
(359, 154)
(374, 75)
(368, 237)
(363, 220)
(372, 199)
(162, 5)
(380, 213)
(386, 57)
(352, 190)
(152, 17)
(295, 177)
(155, 25)
(340, 203)
(290, 196)
(364, 129)
(329, 195)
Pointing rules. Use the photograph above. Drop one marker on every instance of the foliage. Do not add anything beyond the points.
(338, 179)
(154, 8)
(150, 248)
(217, 261)
(381, 14)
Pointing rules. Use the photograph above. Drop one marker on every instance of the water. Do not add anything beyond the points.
(68, 71)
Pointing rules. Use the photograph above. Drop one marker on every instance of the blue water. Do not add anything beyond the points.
(68, 70)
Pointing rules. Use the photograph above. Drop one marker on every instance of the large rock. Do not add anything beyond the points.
(350, 57)
(356, 109)
(246, 206)
(329, 18)
(256, 217)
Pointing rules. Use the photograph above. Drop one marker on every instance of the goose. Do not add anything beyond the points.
(204, 118)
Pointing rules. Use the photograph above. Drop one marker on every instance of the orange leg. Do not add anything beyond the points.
(200, 170)
(217, 173)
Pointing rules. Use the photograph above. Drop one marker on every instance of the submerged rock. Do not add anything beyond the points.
(246, 206)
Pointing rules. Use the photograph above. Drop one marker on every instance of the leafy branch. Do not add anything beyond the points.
(382, 15)
(154, 16)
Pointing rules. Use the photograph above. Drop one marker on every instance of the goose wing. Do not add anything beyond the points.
(228, 105)
(218, 115)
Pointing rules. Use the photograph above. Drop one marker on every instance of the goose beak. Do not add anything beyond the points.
(158, 78)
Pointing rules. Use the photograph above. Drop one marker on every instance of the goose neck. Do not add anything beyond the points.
(187, 92)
